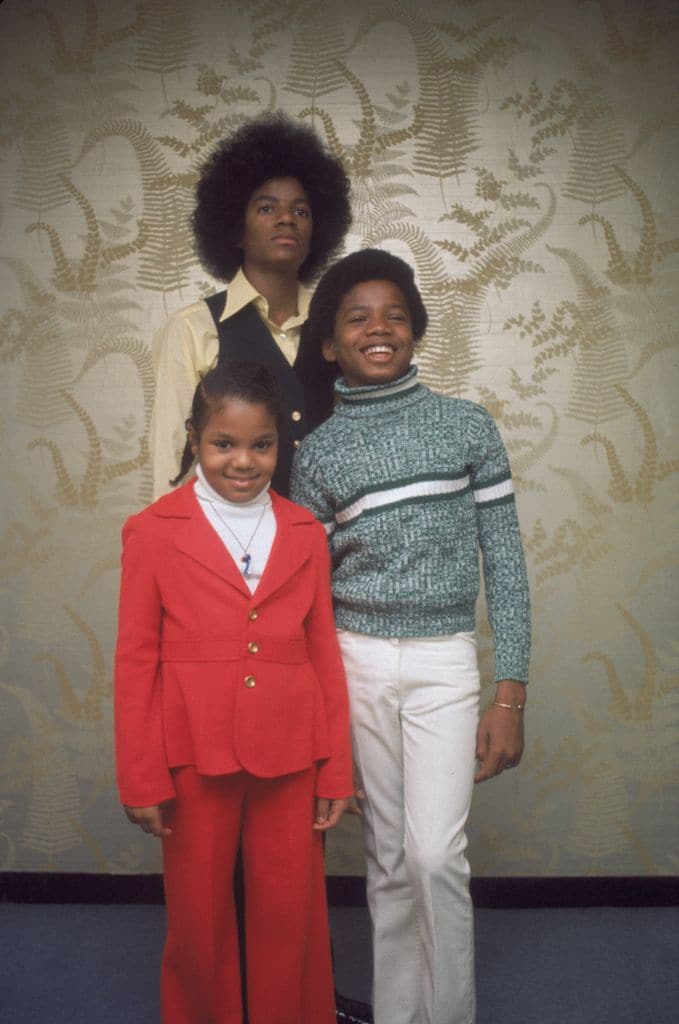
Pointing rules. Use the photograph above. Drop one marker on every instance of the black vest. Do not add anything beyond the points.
(306, 388)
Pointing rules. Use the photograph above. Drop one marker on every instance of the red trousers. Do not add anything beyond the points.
(289, 972)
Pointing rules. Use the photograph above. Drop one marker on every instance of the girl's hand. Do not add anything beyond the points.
(328, 813)
(149, 819)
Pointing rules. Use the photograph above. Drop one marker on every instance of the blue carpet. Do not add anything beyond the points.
(94, 964)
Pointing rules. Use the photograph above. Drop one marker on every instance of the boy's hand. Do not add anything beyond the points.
(149, 819)
(499, 741)
(355, 801)
(328, 813)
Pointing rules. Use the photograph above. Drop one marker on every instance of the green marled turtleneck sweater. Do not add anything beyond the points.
(410, 485)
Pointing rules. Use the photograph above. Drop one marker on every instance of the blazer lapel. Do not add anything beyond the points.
(290, 550)
(195, 537)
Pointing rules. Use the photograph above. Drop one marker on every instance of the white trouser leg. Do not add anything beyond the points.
(414, 710)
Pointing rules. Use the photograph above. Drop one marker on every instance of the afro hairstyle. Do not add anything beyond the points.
(272, 145)
(357, 267)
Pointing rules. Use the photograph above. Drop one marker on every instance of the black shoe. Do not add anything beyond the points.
(352, 1011)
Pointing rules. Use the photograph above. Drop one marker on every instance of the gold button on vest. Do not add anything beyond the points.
(254, 614)
(253, 647)
(250, 682)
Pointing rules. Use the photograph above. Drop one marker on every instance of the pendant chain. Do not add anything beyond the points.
(246, 558)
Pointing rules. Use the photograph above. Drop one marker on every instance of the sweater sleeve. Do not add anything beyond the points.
(504, 567)
(307, 487)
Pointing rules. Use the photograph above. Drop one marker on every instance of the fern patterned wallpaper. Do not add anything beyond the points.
(523, 156)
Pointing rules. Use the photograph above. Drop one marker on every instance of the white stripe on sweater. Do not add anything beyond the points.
(492, 493)
(396, 495)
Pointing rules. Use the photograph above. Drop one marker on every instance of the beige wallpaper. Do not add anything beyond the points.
(523, 156)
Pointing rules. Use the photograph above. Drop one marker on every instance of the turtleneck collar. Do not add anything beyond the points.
(204, 490)
(402, 387)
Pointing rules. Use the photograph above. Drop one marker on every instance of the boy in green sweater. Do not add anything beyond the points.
(410, 485)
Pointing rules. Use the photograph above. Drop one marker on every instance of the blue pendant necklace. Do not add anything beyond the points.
(246, 557)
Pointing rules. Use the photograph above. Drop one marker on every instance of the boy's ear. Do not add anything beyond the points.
(329, 351)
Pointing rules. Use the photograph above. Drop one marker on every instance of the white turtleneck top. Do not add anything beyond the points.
(241, 526)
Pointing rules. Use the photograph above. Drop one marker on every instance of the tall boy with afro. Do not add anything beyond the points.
(411, 486)
(272, 208)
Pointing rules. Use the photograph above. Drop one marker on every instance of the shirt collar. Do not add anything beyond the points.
(241, 293)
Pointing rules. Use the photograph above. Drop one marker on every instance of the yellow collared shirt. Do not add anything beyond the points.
(184, 348)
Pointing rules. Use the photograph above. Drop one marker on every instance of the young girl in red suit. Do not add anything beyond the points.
(232, 717)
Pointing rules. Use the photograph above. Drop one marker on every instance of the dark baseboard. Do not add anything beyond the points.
(534, 893)
(605, 891)
(349, 890)
(57, 887)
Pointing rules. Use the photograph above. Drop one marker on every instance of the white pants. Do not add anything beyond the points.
(414, 715)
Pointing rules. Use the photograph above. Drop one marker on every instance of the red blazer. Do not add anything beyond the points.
(207, 673)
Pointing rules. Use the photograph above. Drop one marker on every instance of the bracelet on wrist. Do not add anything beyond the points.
(508, 707)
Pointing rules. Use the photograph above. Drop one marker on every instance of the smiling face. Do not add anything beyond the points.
(372, 337)
(277, 227)
(237, 449)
